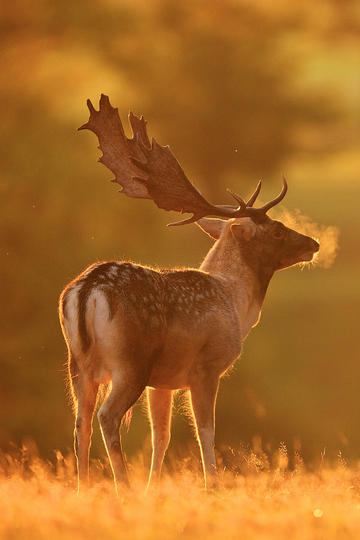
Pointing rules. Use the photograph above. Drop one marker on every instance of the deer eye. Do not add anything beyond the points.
(278, 232)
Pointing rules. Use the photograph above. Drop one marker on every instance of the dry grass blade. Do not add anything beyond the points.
(38, 501)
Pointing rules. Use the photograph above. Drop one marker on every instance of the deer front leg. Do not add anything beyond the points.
(203, 393)
(159, 403)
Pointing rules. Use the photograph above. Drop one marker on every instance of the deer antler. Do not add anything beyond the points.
(151, 171)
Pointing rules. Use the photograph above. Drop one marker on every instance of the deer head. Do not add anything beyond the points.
(266, 246)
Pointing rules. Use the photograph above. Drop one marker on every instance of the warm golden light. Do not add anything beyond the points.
(240, 90)
(264, 501)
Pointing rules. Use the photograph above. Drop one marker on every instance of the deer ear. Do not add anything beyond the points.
(212, 227)
(245, 229)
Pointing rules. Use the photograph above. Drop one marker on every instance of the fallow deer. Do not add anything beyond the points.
(140, 328)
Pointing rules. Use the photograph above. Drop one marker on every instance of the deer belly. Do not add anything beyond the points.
(172, 366)
(171, 369)
(183, 351)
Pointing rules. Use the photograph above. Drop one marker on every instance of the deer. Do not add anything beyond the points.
(137, 328)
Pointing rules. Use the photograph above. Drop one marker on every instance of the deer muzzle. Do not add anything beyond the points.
(313, 247)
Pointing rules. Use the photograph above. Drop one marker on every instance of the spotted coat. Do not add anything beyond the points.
(151, 297)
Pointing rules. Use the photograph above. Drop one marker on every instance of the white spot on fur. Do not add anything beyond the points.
(113, 271)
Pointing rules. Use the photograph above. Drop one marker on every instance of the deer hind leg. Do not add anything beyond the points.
(110, 415)
(203, 396)
(85, 393)
(159, 403)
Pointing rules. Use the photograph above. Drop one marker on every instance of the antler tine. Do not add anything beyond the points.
(253, 197)
(248, 204)
(227, 207)
(237, 198)
(277, 199)
(225, 211)
(191, 219)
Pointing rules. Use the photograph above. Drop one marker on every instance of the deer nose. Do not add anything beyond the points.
(316, 246)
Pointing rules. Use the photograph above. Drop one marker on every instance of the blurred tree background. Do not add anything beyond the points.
(240, 90)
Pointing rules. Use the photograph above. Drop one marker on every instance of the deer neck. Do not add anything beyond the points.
(245, 279)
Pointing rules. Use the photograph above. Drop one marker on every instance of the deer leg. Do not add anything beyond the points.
(159, 403)
(110, 415)
(85, 390)
(203, 396)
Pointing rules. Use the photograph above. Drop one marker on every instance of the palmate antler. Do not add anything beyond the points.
(149, 171)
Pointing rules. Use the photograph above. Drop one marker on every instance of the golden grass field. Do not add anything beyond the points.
(259, 497)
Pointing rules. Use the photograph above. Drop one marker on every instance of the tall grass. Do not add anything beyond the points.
(261, 496)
